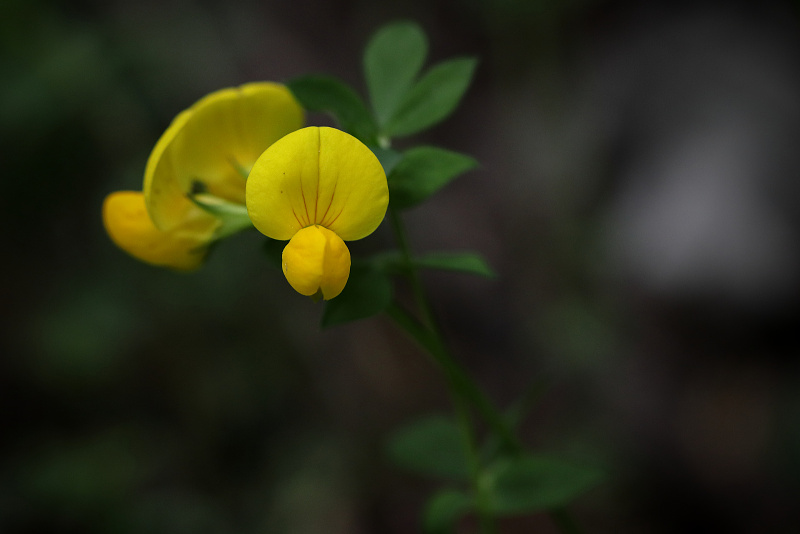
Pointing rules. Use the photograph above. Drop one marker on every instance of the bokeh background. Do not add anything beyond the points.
(638, 196)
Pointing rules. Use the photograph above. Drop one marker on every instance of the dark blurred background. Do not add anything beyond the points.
(638, 196)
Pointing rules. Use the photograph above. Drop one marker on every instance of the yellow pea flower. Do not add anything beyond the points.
(129, 226)
(194, 183)
(317, 187)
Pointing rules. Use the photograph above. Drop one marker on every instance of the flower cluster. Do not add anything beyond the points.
(242, 158)
(317, 187)
(239, 155)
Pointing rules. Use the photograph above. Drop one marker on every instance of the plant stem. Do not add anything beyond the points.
(427, 334)
(457, 378)
(416, 283)
(464, 390)
(428, 342)
(482, 504)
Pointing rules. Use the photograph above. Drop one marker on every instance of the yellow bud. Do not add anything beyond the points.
(316, 259)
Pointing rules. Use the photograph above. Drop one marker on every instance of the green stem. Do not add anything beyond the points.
(482, 504)
(460, 395)
(463, 389)
(416, 283)
(427, 334)
(457, 378)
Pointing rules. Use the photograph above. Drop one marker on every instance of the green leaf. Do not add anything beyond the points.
(392, 60)
(533, 483)
(368, 292)
(389, 158)
(443, 511)
(432, 98)
(431, 446)
(329, 95)
(464, 262)
(422, 172)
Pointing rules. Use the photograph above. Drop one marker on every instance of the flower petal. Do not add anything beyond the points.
(213, 143)
(128, 224)
(316, 260)
(317, 176)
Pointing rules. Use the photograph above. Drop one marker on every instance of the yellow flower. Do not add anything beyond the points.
(317, 187)
(194, 183)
